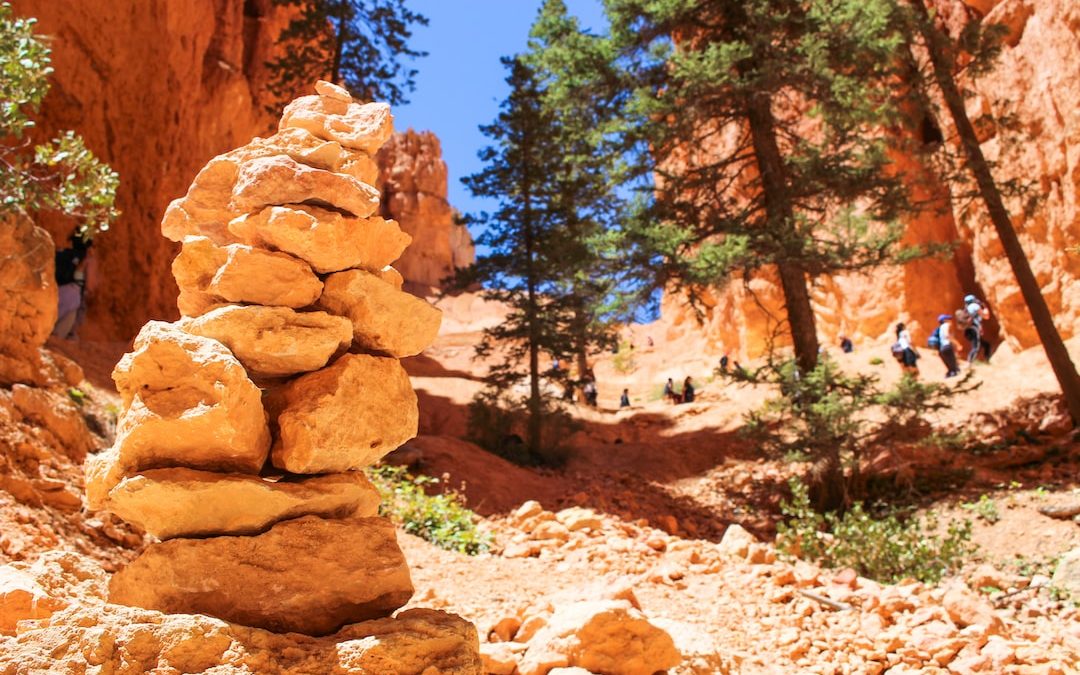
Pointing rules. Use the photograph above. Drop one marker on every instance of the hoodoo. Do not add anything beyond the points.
(247, 423)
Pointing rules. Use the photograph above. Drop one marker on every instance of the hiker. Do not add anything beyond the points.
(555, 364)
(941, 341)
(970, 317)
(903, 351)
(71, 282)
(669, 391)
(650, 341)
(590, 393)
(688, 391)
(624, 400)
(846, 345)
(724, 363)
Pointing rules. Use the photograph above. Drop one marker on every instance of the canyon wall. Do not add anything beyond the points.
(1034, 85)
(157, 87)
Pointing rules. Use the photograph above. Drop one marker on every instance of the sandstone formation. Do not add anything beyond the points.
(414, 193)
(199, 463)
(28, 297)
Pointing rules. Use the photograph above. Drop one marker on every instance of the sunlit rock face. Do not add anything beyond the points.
(414, 186)
(1034, 83)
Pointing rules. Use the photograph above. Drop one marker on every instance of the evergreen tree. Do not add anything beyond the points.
(358, 44)
(518, 267)
(62, 175)
(761, 122)
(942, 52)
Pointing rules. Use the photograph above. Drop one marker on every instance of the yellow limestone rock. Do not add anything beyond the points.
(187, 402)
(384, 318)
(210, 276)
(269, 181)
(333, 116)
(171, 503)
(602, 636)
(343, 417)
(326, 240)
(308, 575)
(274, 341)
(205, 210)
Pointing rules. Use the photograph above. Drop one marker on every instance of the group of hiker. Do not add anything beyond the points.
(969, 321)
(685, 396)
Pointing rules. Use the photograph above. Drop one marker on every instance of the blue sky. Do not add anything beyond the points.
(461, 81)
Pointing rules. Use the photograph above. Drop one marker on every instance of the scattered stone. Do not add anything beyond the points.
(21, 598)
(187, 402)
(384, 319)
(274, 341)
(171, 503)
(1061, 511)
(325, 239)
(501, 658)
(967, 608)
(210, 276)
(346, 416)
(736, 541)
(606, 636)
(273, 580)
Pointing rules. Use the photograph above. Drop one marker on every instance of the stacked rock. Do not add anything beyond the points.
(246, 424)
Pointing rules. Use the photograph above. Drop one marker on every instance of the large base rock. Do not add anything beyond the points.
(343, 417)
(385, 319)
(187, 402)
(80, 633)
(274, 341)
(308, 576)
(185, 503)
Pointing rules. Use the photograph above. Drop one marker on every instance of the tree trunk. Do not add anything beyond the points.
(779, 212)
(339, 47)
(1056, 353)
(581, 348)
(532, 320)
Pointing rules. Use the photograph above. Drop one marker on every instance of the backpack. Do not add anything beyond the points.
(934, 341)
(898, 351)
(963, 319)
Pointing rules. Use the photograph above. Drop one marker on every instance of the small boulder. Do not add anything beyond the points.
(384, 318)
(364, 127)
(1067, 574)
(188, 402)
(268, 181)
(274, 341)
(171, 503)
(21, 598)
(967, 608)
(343, 417)
(273, 580)
(500, 658)
(737, 542)
(326, 240)
(210, 276)
(604, 636)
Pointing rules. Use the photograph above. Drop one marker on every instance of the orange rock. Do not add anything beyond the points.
(268, 181)
(272, 580)
(330, 116)
(28, 298)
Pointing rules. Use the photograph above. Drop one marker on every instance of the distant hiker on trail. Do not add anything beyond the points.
(688, 391)
(845, 344)
(904, 352)
(590, 393)
(650, 341)
(970, 317)
(71, 281)
(941, 340)
(669, 391)
(624, 400)
(555, 364)
(723, 363)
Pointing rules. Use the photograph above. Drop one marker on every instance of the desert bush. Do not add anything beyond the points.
(886, 547)
(443, 519)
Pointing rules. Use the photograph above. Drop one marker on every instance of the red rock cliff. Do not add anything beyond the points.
(1035, 83)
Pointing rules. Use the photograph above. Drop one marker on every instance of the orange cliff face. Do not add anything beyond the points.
(154, 90)
(157, 90)
(413, 178)
(1035, 83)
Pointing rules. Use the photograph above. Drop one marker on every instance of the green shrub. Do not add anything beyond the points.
(887, 548)
(443, 519)
(624, 359)
(985, 508)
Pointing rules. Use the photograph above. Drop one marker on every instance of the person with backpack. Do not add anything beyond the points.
(941, 342)
(970, 317)
(590, 393)
(624, 400)
(904, 352)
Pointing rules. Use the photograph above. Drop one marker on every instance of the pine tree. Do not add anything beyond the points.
(517, 269)
(761, 120)
(358, 44)
(941, 51)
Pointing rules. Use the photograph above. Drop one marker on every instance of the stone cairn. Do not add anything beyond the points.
(246, 423)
